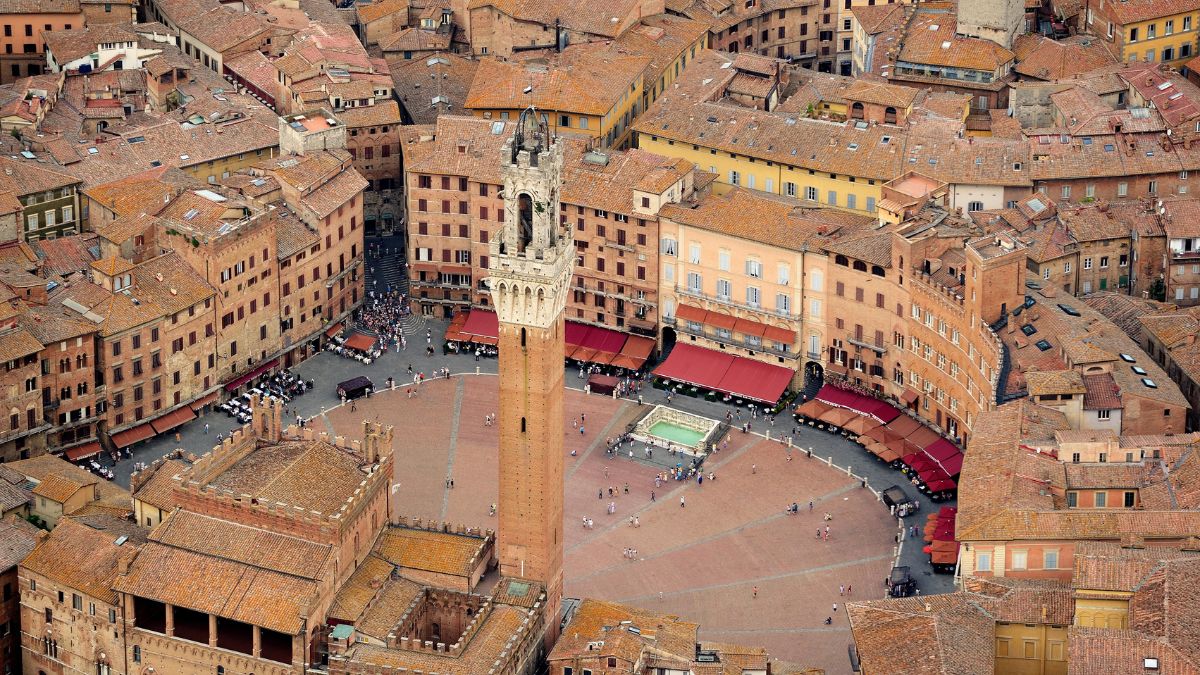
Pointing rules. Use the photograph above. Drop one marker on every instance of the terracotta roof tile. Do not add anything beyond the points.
(1102, 393)
(233, 590)
(79, 557)
(439, 552)
(17, 539)
(580, 81)
(59, 488)
(250, 546)
(159, 490)
(17, 343)
(285, 473)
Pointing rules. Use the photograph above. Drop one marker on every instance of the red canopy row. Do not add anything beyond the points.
(864, 405)
(939, 532)
(735, 375)
(582, 342)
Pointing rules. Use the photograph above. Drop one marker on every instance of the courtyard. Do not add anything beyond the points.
(701, 561)
(704, 559)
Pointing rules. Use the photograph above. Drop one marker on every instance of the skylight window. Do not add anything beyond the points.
(853, 146)
(1028, 329)
(1139, 370)
(1069, 310)
(1149, 383)
(1128, 358)
(1042, 345)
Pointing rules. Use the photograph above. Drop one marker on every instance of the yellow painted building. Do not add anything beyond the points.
(1147, 31)
(851, 186)
(1031, 649)
(777, 151)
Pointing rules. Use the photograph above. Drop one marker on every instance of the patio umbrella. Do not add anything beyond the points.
(838, 416)
(813, 409)
(889, 454)
(861, 424)
(884, 433)
(873, 447)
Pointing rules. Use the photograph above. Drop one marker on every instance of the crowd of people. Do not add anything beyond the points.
(382, 315)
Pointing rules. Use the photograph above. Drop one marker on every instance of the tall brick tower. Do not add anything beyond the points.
(532, 262)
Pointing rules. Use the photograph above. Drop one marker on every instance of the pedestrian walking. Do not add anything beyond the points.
(206, 428)
(754, 591)
(652, 495)
(682, 503)
(753, 468)
(842, 589)
(835, 608)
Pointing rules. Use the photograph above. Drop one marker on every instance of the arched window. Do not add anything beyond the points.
(841, 260)
(524, 221)
(877, 270)
(856, 111)
(860, 266)
(889, 115)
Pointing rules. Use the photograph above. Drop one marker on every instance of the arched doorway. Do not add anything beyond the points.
(668, 340)
(856, 111)
(814, 377)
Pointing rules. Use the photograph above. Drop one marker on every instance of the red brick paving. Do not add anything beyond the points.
(704, 559)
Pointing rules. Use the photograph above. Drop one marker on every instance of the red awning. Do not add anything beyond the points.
(909, 396)
(695, 365)
(634, 352)
(605, 340)
(781, 335)
(83, 451)
(748, 327)
(482, 323)
(689, 313)
(946, 455)
(720, 320)
(131, 436)
(360, 341)
(863, 404)
(583, 354)
(735, 375)
(235, 383)
(333, 330)
(575, 332)
(622, 361)
(173, 419)
(755, 379)
(204, 400)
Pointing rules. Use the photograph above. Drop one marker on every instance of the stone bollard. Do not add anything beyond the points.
(829, 461)
(476, 370)
(848, 471)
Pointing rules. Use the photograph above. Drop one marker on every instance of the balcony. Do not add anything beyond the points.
(729, 302)
(878, 349)
(609, 243)
(682, 327)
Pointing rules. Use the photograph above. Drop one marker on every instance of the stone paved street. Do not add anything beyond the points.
(701, 561)
(704, 559)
